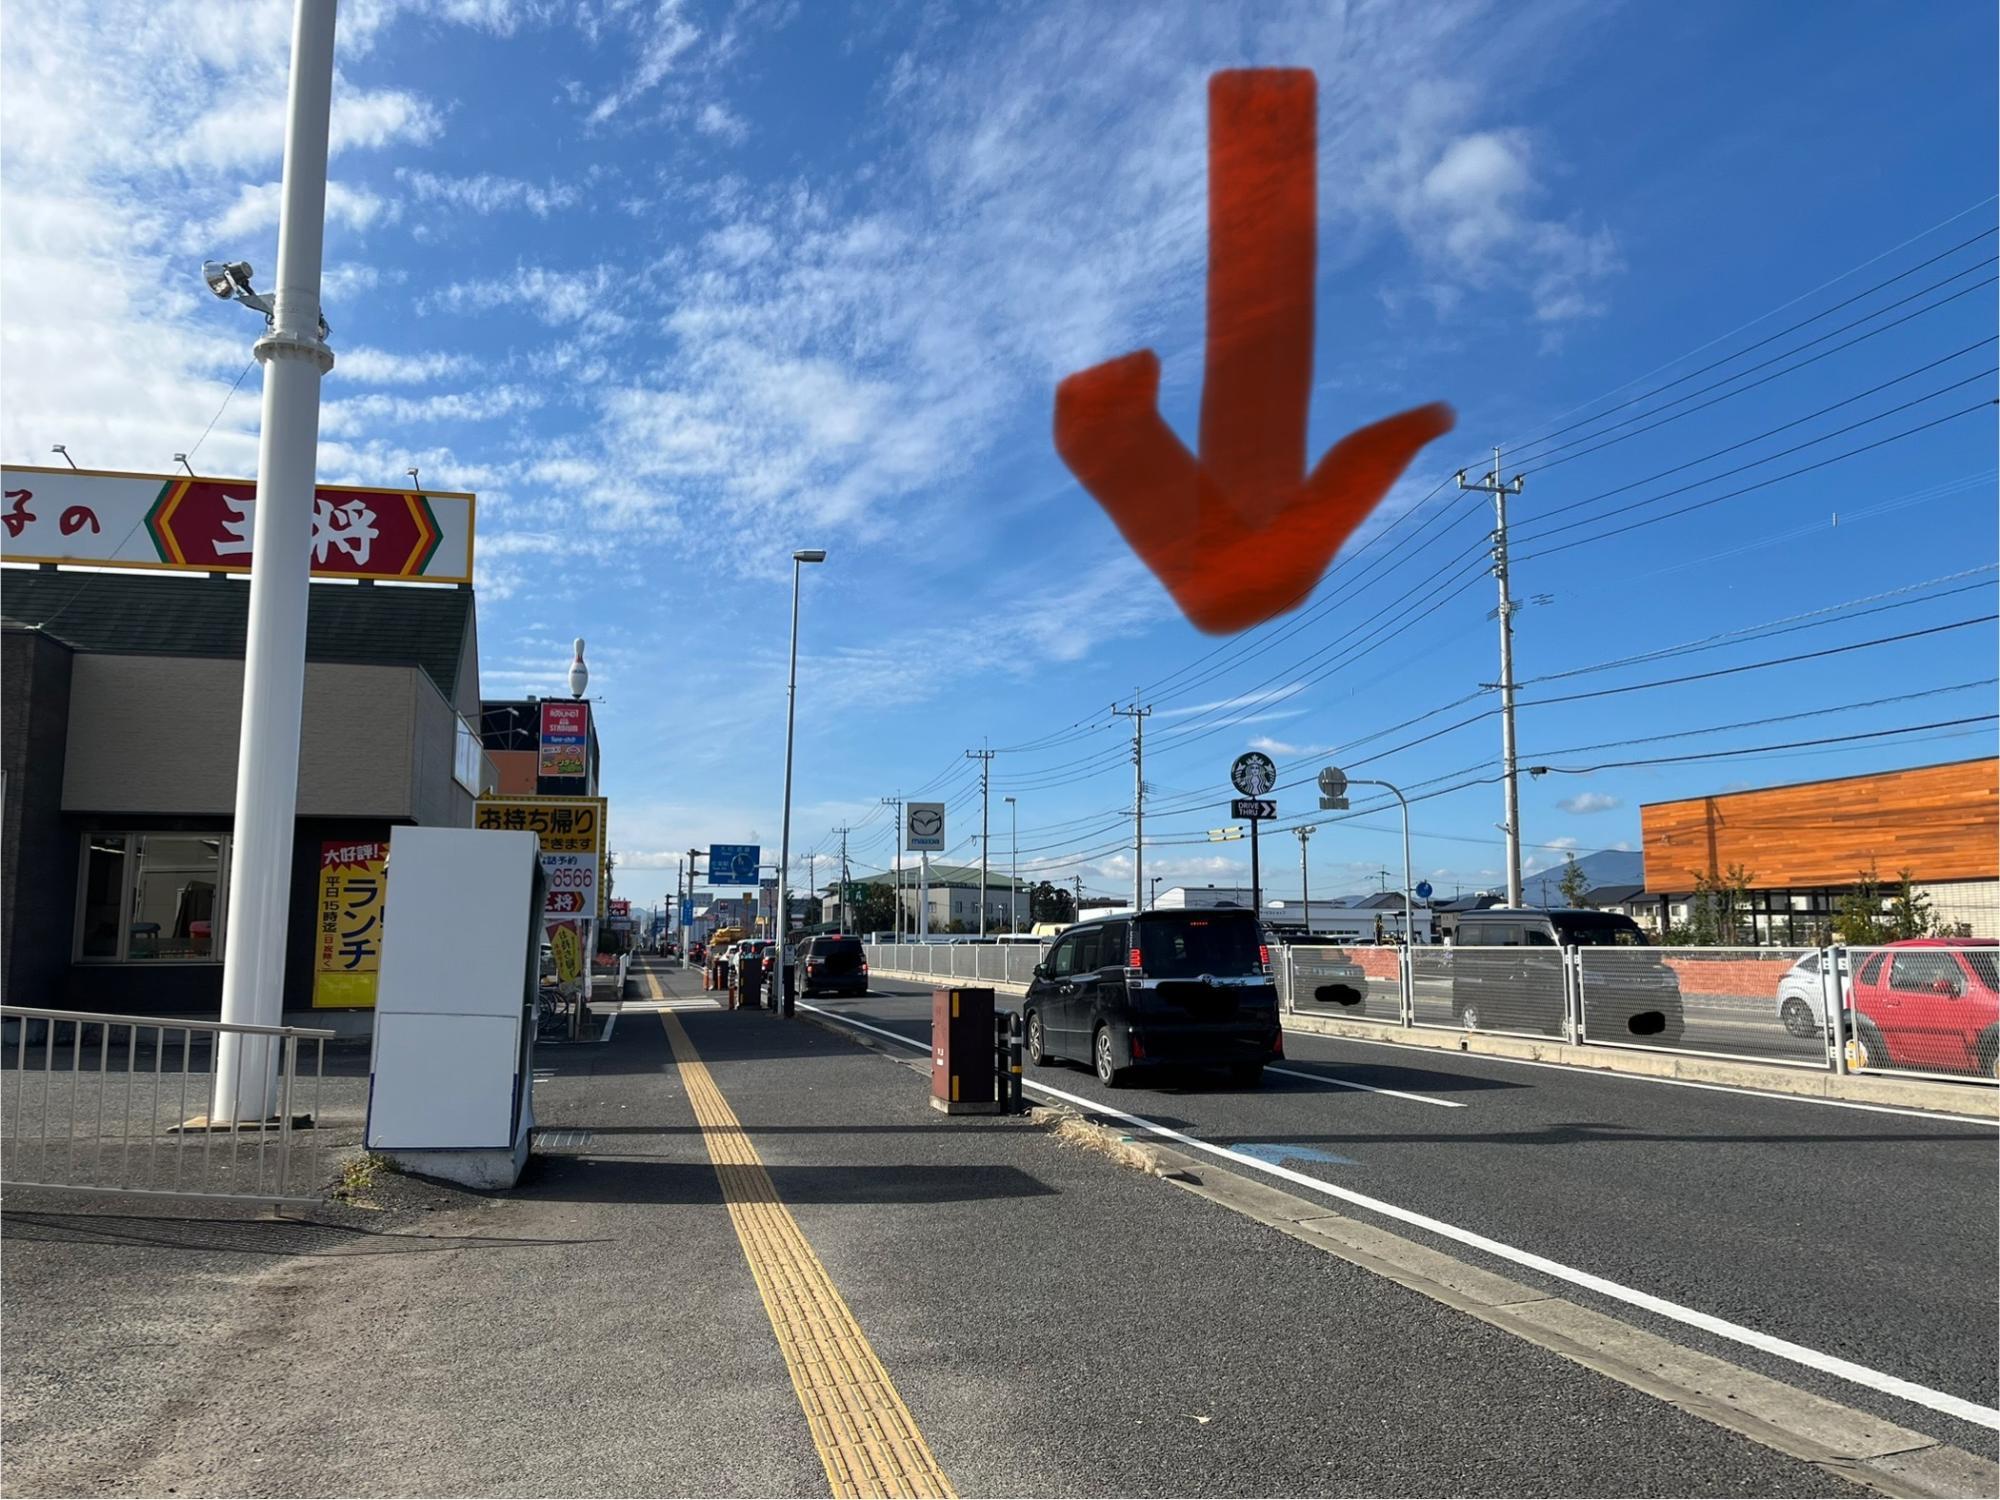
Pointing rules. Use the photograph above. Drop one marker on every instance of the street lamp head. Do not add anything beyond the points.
(809, 554)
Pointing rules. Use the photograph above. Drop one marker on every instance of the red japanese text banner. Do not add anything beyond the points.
(111, 520)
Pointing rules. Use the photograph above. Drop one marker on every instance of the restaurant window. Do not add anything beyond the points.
(151, 897)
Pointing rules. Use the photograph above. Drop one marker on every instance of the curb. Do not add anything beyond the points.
(1903, 1093)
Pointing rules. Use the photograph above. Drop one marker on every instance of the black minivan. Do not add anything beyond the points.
(1506, 975)
(832, 964)
(1180, 988)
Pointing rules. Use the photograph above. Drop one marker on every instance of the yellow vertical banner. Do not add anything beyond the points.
(352, 877)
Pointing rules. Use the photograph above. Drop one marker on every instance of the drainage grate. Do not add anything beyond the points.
(562, 1140)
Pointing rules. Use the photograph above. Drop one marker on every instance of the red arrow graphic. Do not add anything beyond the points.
(1243, 532)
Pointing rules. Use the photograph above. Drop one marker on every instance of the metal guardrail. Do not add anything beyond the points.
(1912, 1012)
(118, 1104)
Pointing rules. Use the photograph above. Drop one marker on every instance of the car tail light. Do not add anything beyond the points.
(864, 966)
(1132, 960)
(1278, 1043)
(1264, 956)
(1138, 1047)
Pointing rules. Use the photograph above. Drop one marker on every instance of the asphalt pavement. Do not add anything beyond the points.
(1057, 1322)
(1866, 1236)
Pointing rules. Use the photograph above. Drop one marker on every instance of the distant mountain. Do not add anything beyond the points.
(1613, 867)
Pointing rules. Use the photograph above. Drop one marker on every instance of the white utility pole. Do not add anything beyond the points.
(1499, 489)
(294, 354)
(897, 856)
(985, 759)
(1138, 717)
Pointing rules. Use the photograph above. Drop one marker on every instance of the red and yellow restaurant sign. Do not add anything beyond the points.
(111, 520)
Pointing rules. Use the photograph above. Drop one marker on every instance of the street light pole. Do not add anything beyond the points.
(294, 354)
(1014, 894)
(803, 555)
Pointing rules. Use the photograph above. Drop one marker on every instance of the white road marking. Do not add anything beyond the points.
(1343, 1083)
(1684, 1083)
(1814, 1359)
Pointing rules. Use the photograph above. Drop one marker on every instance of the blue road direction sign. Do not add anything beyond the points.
(733, 864)
(1423, 890)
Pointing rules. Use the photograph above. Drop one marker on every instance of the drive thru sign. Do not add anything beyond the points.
(571, 833)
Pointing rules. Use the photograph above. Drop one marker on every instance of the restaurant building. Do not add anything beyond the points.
(120, 708)
(1804, 848)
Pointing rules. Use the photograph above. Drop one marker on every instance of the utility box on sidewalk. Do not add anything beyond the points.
(962, 1073)
(449, 1088)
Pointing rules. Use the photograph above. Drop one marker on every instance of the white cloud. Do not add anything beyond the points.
(385, 367)
(1590, 802)
(484, 193)
(724, 124)
(1470, 204)
(665, 36)
(256, 209)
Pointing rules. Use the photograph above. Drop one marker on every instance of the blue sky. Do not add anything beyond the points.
(677, 288)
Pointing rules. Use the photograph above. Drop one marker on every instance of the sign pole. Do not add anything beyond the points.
(274, 664)
(1256, 880)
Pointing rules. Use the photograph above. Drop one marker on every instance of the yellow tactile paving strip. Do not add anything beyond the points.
(865, 1435)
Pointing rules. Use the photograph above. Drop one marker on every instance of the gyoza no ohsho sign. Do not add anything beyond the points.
(179, 521)
(571, 834)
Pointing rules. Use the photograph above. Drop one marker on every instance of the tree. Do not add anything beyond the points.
(1858, 920)
(1910, 913)
(1718, 912)
(1574, 882)
(871, 907)
(1050, 903)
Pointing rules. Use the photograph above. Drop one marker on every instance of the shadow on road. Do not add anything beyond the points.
(279, 1237)
(594, 1180)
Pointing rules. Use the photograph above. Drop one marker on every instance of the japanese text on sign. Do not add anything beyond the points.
(352, 878)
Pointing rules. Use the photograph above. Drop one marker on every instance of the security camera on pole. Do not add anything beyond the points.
(295, 356)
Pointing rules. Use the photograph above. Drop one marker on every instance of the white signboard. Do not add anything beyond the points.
(923, 827)
(572, 885)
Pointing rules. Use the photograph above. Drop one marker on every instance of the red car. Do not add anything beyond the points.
(1928, 1003)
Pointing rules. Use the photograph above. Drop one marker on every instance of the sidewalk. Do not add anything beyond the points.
(644, 1316)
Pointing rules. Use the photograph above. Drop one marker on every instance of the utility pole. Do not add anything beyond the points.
(1499, 489)
(295, 357)
(1138, 717)
(1076, 911)
(897, 857)
(843, 880)
(985, 759)
(1305, 831)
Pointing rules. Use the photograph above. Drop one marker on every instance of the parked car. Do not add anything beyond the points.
(1926, 1003)
(1507, 975)
(1801, 1002)
(832, 964)
(1159, 988)
(1331, 979)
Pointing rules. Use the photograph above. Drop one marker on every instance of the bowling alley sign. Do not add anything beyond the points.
(181, 522)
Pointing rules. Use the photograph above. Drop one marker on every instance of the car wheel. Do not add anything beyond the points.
(1035, 1045)
(1798, 1018)
(1104, 1054)
(1468, 1017)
